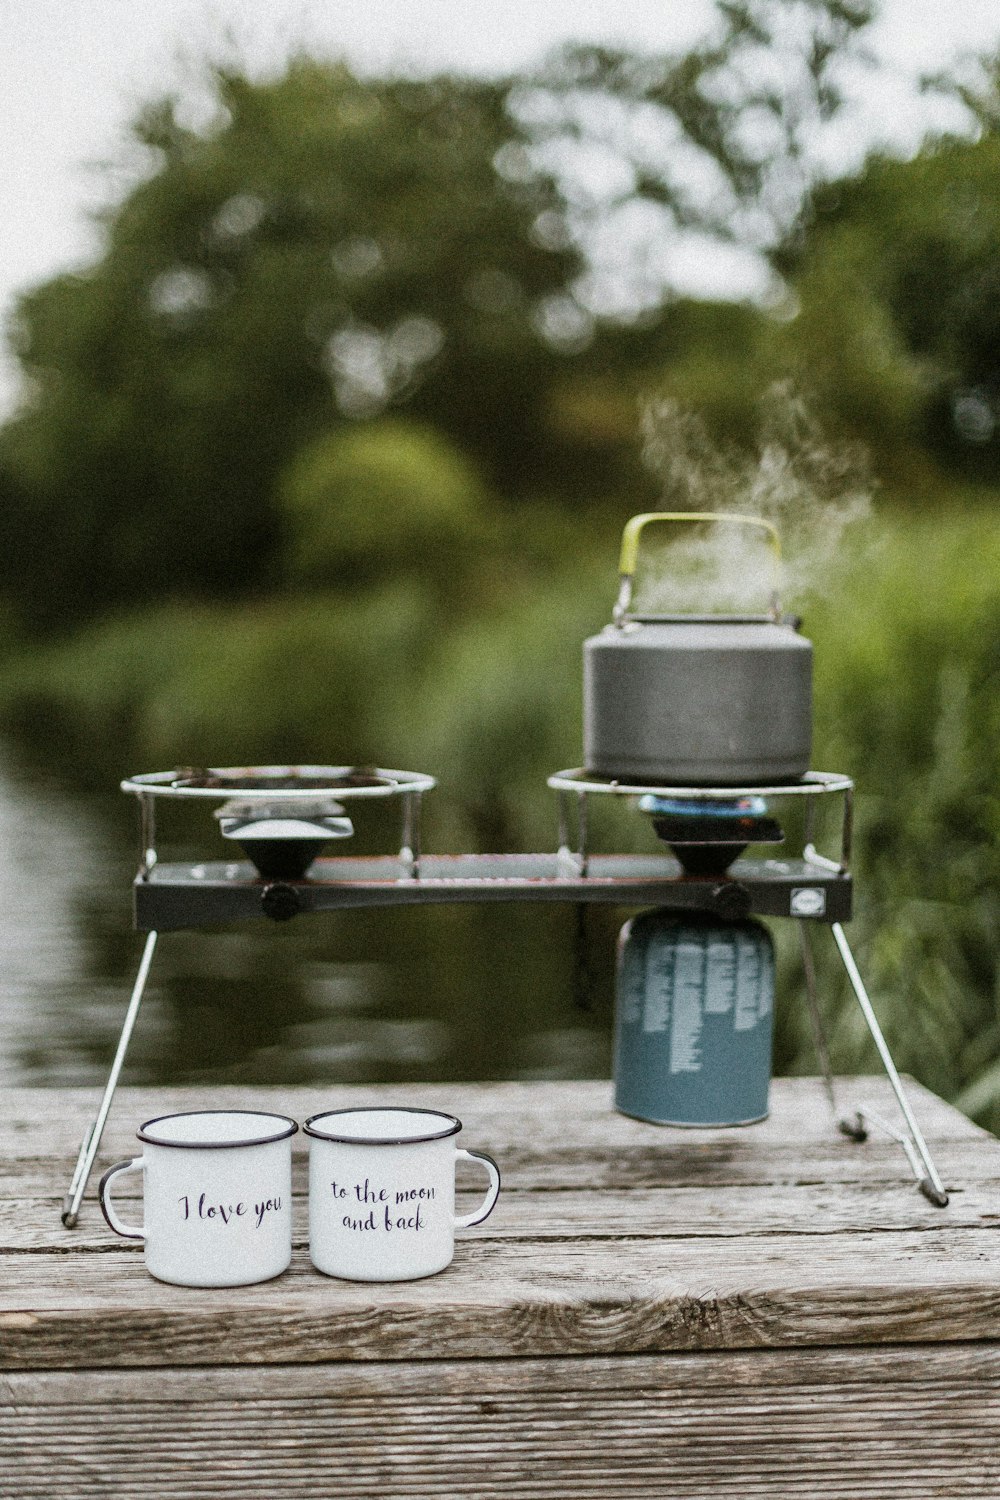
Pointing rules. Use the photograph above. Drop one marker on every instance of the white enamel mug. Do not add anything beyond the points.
(382, 1192)
(217, 1197)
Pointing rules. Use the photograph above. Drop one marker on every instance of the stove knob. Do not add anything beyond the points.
(280, 902)
(730, 899)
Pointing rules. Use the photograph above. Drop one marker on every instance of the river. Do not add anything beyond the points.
(439, 993)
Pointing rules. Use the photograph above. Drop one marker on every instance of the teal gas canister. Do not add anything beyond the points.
(694, 1005)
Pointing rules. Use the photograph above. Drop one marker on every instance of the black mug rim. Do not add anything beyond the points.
(454, 1125)
(182, 1114)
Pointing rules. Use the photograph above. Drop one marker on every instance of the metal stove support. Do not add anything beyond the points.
(92, 1138)
(147, 834)
(913, 1143)
(571, 787)
(574, 862)
(854, 1128)
(578, 784)
(409, 852)
(409, 785)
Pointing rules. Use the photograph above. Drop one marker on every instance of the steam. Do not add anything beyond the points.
(810, 490)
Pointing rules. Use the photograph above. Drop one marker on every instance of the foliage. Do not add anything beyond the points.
(311, 258)
(329, 248)
(311, 679)
(908, 702)
(374, 501)
(327, 457)
(720, 139)
(898, 277)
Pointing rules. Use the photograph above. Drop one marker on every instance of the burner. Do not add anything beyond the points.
(706, 836)
(281, 816)
(282, 838)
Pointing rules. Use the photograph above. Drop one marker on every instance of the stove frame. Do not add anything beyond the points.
(811, 888)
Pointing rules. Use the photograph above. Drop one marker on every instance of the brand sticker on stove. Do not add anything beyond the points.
(808, 901)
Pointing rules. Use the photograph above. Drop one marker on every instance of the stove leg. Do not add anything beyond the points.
(913, 1143)
(92, 1137)
(409, 850)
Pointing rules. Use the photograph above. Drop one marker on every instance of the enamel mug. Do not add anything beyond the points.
(217, 1197)
(382, 1192)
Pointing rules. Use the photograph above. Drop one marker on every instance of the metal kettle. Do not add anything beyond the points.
(697, 700)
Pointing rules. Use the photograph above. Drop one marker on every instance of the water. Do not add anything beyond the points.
(435, 993)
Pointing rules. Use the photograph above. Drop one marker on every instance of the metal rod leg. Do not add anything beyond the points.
(92, 1138)
(568, 861)
(930, 1184)
(409, 853)
(565, 855)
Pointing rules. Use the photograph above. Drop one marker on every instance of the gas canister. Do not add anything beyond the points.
(693, 1024)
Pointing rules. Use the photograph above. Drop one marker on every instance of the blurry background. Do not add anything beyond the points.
(339, 350)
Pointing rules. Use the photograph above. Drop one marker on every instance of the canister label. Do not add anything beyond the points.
(699, 973)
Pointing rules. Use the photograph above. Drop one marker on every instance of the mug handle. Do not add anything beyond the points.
(492, 1192)
(127, 1231)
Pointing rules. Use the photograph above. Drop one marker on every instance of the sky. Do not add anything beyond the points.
(74, 72)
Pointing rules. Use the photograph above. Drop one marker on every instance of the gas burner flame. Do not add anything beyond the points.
(707, 835)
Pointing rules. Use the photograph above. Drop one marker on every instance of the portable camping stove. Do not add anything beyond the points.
(283, 815)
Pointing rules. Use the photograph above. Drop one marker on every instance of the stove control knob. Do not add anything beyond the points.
(730, 899)
(280, 902)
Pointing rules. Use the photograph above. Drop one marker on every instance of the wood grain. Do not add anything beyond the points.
(611, 1235)
(45, 1122)
(770, 1312)
(660, 1164)
(911, 1425)
(30, 1224)
(515, 1298)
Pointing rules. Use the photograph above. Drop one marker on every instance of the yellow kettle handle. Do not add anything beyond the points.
(633, 531)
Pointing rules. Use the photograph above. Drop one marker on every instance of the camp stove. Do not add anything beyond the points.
(705, 895)
(283, 817)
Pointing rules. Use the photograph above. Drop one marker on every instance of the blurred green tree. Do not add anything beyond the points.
(369, 501)
(897, 273)
(305, 260)
(330, 248)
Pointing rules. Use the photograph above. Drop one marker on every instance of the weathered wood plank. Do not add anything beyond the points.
(555, 1136)
(896, 1425)
(922, 1368)
(29, 1224)
(841, 1262)
(717, 1311)
(611, 1235)
(516, 1297)
(39, 1122)
(667, 1162)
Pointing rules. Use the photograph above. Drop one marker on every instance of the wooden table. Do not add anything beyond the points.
(773, 1311)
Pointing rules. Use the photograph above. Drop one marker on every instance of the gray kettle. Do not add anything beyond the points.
(713, 700)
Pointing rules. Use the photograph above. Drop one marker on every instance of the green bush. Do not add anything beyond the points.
(908, 703)
(308, 679)
(378, 500)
